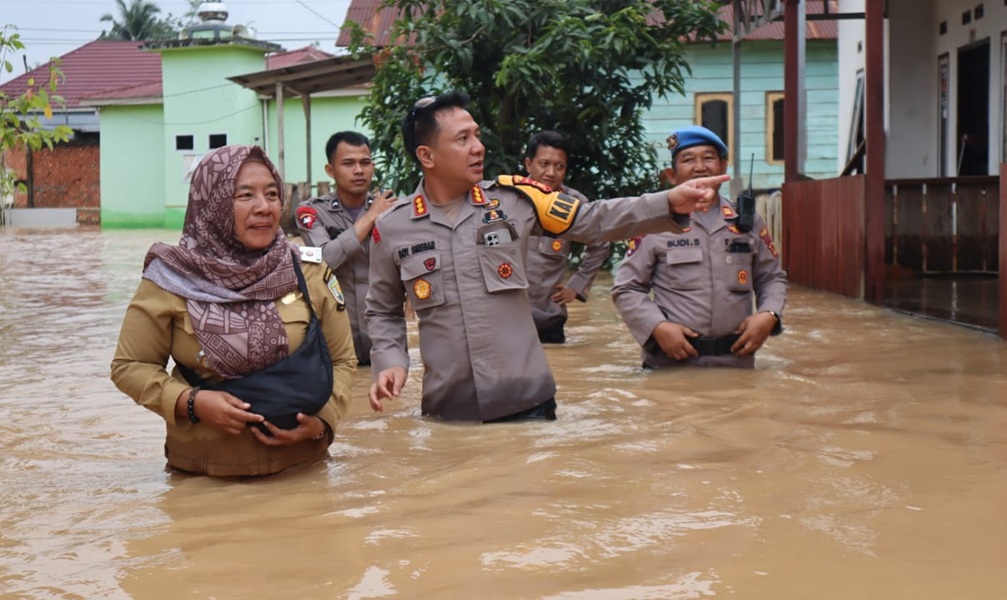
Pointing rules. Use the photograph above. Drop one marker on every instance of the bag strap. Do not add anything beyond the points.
(302, 284)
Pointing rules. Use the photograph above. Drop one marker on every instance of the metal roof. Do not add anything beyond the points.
(310, 77)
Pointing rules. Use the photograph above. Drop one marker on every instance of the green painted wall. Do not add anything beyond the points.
(132, 173)
(200, 101)
(329, 114)
(761, 72)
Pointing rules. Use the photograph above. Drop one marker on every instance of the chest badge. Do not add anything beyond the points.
(505, 270)
(430, 264)
(494, 215)
(421, 287)
(557, 245)
(742, 277)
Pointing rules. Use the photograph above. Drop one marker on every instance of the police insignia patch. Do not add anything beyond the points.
(477, 196)
(521, 180)
(421, 287)
(306, 216)
(430, 263)
(376, 235)
(742, 277)
(419, 207)
(505, 270)
(632, 245)
(764, 234)
(492, 216)
(557, 245)
(673, 142)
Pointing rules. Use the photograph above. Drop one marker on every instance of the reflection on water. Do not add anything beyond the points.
(863, 458)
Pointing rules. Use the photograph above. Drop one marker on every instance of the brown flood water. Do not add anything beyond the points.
(864, 458)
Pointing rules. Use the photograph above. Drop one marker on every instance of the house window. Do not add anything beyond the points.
(774, 127)
(714, 111)
(217, 140)
(184, 142)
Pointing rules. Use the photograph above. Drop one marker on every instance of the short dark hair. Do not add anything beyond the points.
(553, 139)
(419, 127)
(351, 138)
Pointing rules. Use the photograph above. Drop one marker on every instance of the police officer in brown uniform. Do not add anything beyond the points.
(702, 279)
(547, 157)
(340, 223)
(456, 248)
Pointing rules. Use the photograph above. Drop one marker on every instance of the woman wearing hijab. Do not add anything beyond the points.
(261, 342)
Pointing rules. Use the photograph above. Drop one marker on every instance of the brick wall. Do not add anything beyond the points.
(68, 176)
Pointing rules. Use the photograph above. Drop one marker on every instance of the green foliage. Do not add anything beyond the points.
(586, 68)
(138, 20)
(19, 116)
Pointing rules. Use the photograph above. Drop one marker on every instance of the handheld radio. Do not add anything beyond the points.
(746, 204)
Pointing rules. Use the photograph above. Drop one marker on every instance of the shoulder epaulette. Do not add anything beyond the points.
(555, 211)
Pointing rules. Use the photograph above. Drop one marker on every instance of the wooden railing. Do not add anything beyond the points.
(942, 226)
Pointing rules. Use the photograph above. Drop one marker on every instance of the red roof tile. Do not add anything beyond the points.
(285, 59)
(374, 19)
(149, 90)
(378, 21)
(95, 67)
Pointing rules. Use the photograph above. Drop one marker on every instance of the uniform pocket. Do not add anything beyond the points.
(551, 247)
(502, 267)
(423, 278)
(738, 267)
(686, 267)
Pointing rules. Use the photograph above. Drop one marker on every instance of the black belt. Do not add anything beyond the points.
(713, 346)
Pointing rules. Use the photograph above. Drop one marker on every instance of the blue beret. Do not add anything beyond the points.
(694, 135)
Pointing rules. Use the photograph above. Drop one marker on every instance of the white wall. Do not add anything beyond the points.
(912, 46)
(911, 145)
(990, 26)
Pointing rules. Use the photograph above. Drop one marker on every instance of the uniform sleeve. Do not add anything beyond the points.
(344, 248)
(631, 292)
(594, 258)
(336, 327)
(386, 322)
(138, 367)
(770, 281)
(621, 218)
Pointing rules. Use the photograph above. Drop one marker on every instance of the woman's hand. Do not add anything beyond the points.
(308, 428)
(219, 410)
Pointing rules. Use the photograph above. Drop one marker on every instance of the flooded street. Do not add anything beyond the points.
(865, 457)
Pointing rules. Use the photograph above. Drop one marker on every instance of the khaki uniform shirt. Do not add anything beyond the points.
(547, 263)
(468, 285)
(333, 232)
(157, 326)
(703, 278)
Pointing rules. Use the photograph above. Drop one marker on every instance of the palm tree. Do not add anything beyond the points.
(137, 21)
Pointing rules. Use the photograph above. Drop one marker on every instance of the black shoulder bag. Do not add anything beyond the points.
(299, 383)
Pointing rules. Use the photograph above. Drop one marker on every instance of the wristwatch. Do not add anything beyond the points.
(778, 327)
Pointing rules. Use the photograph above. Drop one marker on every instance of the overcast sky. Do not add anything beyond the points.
(55, 27)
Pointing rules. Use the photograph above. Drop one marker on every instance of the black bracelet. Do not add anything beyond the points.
(191, 404)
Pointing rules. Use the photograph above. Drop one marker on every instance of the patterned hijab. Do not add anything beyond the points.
(229, 290)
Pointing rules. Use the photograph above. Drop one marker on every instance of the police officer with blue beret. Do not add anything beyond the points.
(687, 296)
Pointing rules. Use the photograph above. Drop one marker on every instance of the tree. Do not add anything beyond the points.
(19, 116)
(587, 68)
(138, 21)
